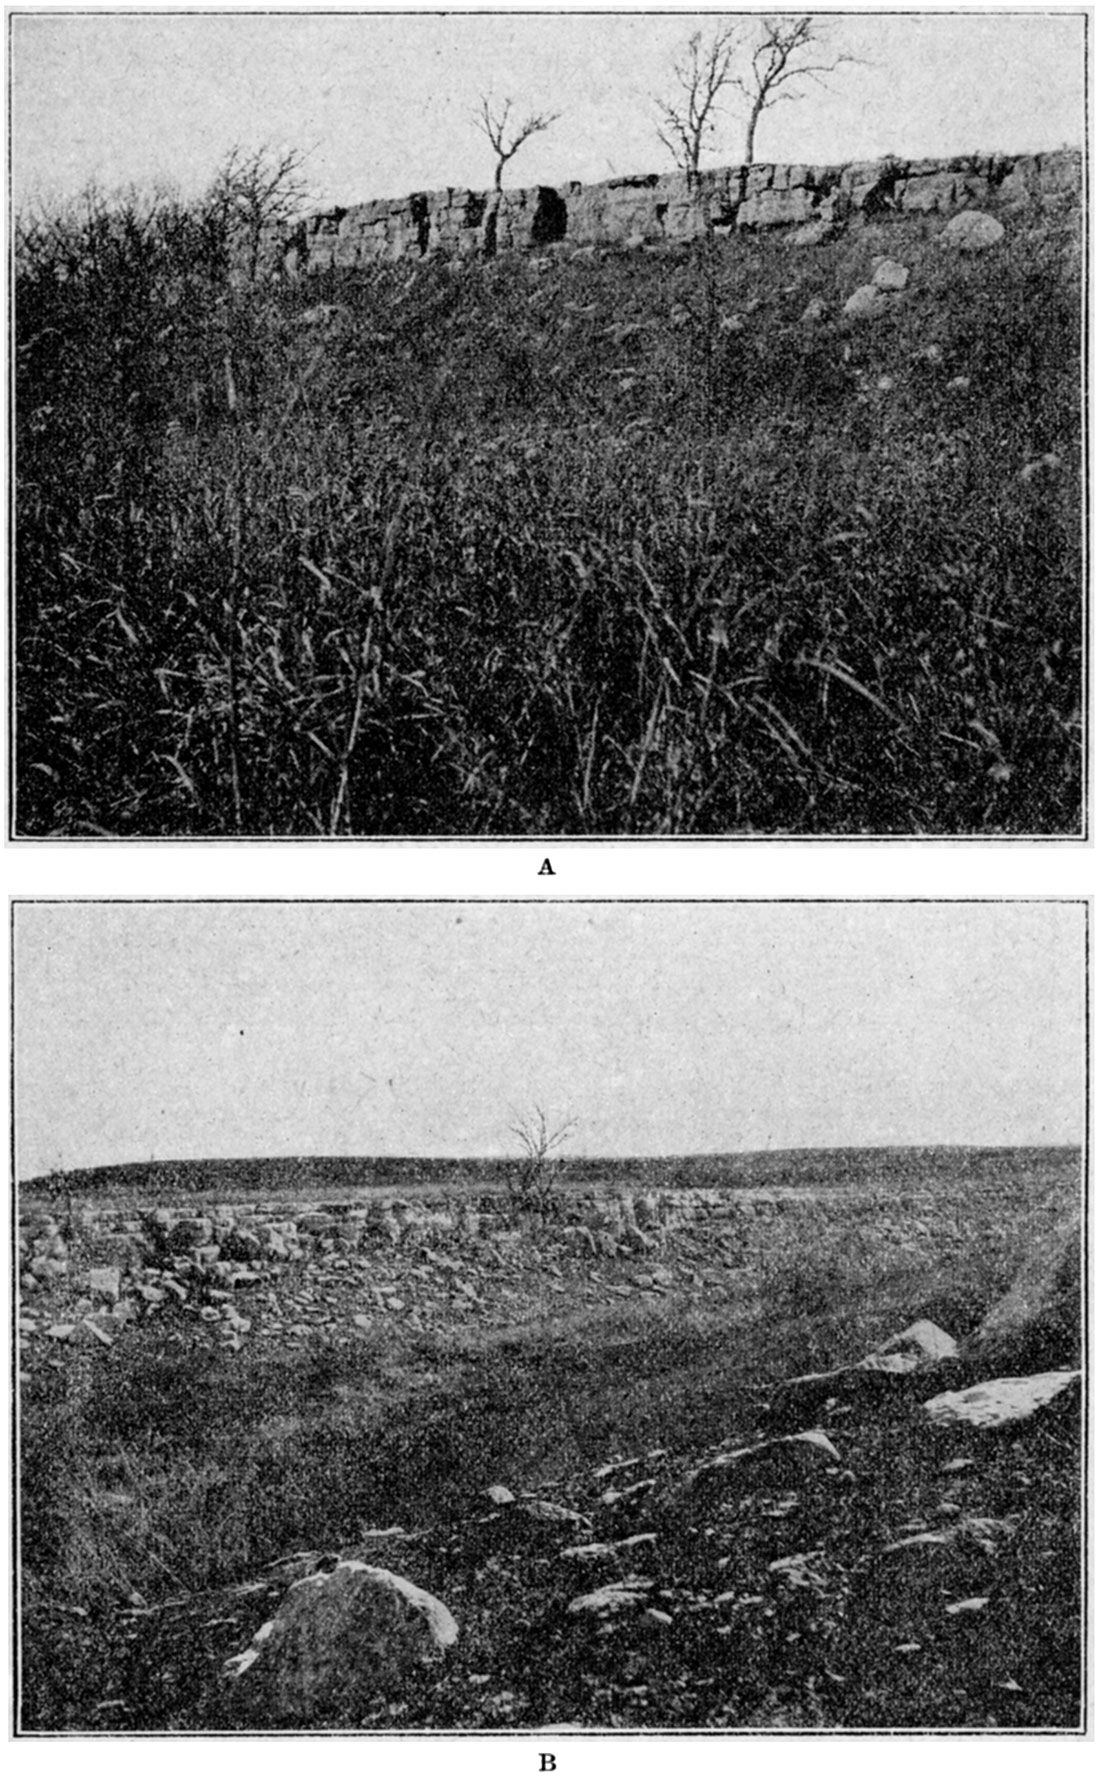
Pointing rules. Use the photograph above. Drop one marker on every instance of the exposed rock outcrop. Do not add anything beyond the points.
(647, 210)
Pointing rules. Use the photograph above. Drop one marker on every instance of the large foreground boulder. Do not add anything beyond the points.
(338, 1639)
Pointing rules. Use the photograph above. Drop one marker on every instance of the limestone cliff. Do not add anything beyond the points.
(642, 209)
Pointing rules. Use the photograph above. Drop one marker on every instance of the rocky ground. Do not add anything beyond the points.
(596, 1462)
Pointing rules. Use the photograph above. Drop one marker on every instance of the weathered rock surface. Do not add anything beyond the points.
(891, 276)
(338, 1637)
(649, 211)
(786, 1460)
(868, 302)
(972, 231)
(921, 1345)
(1001, 1401)
(894, 1365)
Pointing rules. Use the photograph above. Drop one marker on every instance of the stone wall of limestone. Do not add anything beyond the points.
(649, 209)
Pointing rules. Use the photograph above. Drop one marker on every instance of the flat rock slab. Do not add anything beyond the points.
(1001, 1401)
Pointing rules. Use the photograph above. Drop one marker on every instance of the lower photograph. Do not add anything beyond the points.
(477, 1317)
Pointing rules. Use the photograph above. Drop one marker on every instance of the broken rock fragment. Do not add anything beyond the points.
(1001, 1401)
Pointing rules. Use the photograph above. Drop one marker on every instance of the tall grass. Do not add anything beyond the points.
(512, 548)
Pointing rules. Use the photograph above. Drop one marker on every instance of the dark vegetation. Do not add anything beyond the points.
(620, 545)
(161, 1478)
(311, 1175)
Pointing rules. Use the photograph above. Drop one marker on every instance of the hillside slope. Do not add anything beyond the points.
(603, 543)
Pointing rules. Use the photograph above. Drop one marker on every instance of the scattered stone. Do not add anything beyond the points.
(613, 1598)
(814, 311)
(656, 1617)
(800, 1570)
(106, 1281)
(500, 1495)
(552, 1514)
(891, 276)
(1001, 1401)
(341, 1636)
(972, 231)
(868, 302)
(768, 1462)
(922, 1344)
(813, 234)
(602, 1549)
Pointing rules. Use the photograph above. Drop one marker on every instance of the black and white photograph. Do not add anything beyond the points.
(586, 425)
(550, 1318)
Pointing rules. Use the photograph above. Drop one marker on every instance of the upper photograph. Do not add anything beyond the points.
(627, 425)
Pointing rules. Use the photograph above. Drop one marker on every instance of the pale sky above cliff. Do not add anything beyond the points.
(192, 1030)
(382, 105)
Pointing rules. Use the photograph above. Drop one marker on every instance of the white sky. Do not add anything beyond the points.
(382, 106)
(237, 1029)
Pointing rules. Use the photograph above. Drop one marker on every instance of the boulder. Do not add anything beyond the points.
(1002, 1401)
(929, 192)
(790, 1459)
(812, 234)
(614, 1598)
(891, 276)
(867, 302)
(914, 1349)
(972, 231)
(905, 1359)
(338, 1639)
(188, 1233)
(243, 1245)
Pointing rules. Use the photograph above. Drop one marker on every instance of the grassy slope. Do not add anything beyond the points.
(170, 1471)
(610, 547)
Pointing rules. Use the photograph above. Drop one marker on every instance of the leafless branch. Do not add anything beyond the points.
(686, 121)
(778, 58)
(492, 122)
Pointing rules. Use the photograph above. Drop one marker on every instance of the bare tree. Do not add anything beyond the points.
(533, 1178)
(255, 193)
(687, 120)
(492, 122)
(790, 49)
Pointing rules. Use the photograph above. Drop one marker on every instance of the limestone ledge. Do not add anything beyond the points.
(643, 210)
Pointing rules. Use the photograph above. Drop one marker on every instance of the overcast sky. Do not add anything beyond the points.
(382, 106)
(238, 1029)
